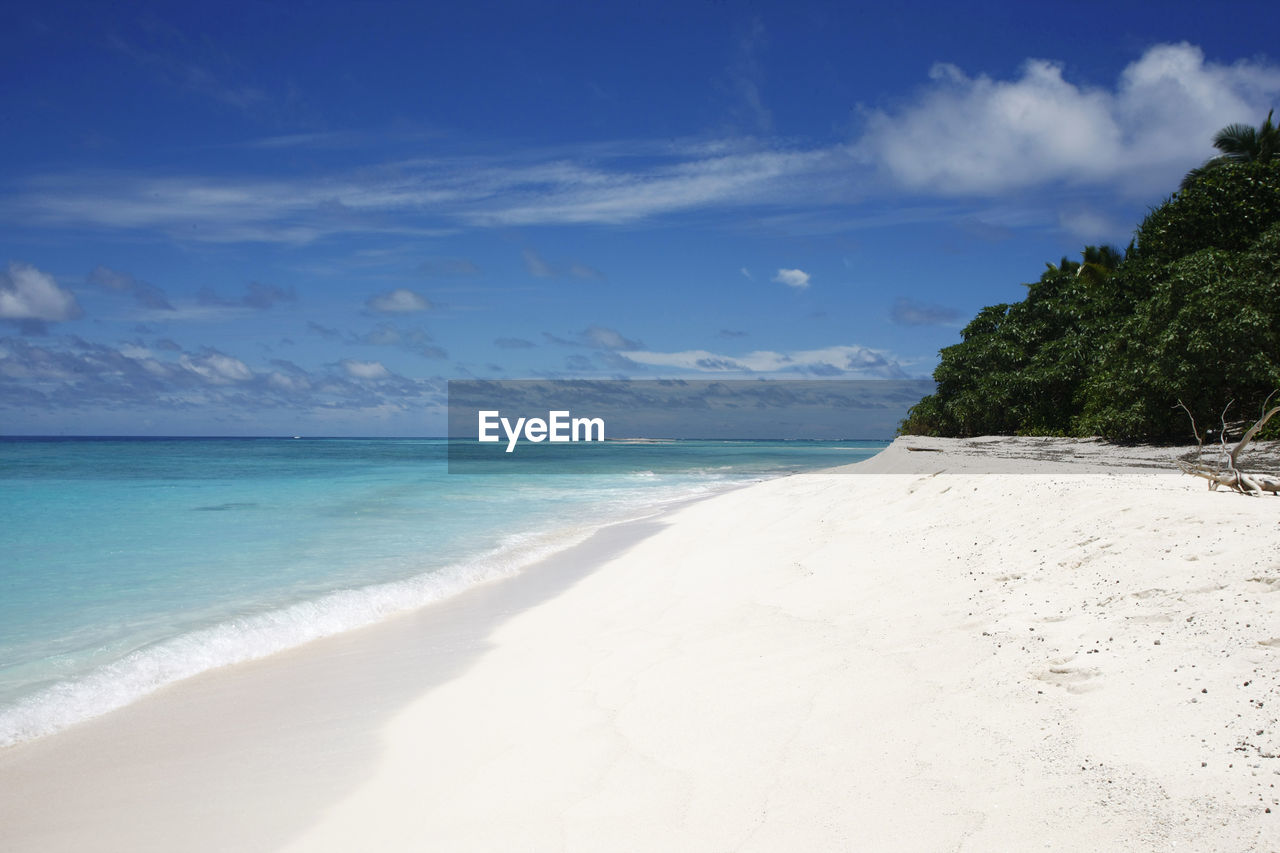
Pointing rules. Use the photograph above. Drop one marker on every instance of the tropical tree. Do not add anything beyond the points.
(1127, 345)
(1099, 263)
(1240, 143)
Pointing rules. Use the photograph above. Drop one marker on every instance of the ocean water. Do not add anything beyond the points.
(128, 564)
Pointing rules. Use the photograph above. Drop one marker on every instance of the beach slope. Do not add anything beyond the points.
(976, 645)
(1078, 654)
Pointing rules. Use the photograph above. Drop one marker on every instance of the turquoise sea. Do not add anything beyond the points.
(128, 564)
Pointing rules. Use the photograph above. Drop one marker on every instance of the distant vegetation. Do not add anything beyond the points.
(1109, 344)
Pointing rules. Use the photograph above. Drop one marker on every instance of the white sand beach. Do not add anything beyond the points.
(916, 655)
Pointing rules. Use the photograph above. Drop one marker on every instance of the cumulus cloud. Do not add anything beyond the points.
(908, 312)
(799, 279)
(398, 301)
(978, 135)
(27, 294)
(963, 133)
(365, 369)
(72, 374)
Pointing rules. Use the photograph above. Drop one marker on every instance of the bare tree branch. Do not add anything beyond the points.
(1232, 477)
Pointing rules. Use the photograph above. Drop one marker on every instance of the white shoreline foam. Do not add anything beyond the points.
(145, 670)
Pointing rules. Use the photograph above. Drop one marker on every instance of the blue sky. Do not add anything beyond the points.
(278, 218)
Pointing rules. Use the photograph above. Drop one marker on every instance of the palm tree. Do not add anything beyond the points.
(1099, 263)
(1240, 143)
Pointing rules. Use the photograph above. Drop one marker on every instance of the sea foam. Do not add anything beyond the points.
(255, 636)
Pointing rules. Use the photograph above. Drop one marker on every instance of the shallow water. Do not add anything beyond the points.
(126, 564)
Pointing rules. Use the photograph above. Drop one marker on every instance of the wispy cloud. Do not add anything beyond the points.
(596, 337)
(398, 301)
(744, 75)
(448, 268)
(536, 265)
(145, 294)
(215, 367)
(257, 296)
(849, 362)
(909, 312)
(963, 134)
(411, 339)
(430, 197)
(177, 61)
(539, 267)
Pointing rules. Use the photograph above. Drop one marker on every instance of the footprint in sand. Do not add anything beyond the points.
(1072, 679)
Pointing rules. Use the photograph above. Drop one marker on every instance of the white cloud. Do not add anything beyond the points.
(288, 383)
(963, 133)
(848, 361)
(1092, 226)
(979, 135)
(217, 368)
(398, 301)
(365, 369)
(799, 279)
(26, 293)
(432, 197)
(605, 338)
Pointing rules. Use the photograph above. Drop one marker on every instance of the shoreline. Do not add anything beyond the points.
(227, 740)
(260, 633)
(808, 662)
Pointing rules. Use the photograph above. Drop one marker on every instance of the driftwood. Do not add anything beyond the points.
(1228, 473)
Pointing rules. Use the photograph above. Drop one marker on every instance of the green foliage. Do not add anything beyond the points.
(1109, 345)
(1209, 334)
(1240, 143)
(1227, 208)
